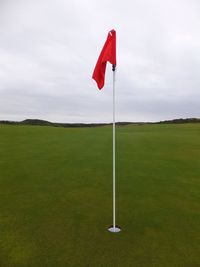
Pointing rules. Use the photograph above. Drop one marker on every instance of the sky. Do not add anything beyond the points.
(48, 50)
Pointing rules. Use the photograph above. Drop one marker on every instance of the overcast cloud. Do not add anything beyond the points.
(48, 50)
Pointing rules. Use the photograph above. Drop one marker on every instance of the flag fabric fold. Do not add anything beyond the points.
(108, 54)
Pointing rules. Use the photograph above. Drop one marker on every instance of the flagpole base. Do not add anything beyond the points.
(115, 229)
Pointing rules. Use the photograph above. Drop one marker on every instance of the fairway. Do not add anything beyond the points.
(56, 196)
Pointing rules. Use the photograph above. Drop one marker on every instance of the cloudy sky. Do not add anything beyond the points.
(48, 50)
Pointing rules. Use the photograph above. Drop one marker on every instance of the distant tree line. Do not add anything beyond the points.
(187, 120)
(56, 124)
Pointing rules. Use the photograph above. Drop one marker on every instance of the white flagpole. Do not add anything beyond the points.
(114, 228)
(114, 213)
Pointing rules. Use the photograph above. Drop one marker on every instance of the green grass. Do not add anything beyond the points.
(56, 196)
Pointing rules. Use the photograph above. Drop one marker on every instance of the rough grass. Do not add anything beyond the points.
(56, 196)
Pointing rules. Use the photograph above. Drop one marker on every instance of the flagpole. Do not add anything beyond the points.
(114, 228)
(114, 201)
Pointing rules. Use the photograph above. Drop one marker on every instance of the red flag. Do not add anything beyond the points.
(108, 53)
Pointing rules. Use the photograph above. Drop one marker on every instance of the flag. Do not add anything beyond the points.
(108, 53)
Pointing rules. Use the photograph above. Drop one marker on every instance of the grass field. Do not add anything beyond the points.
(56, 196)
